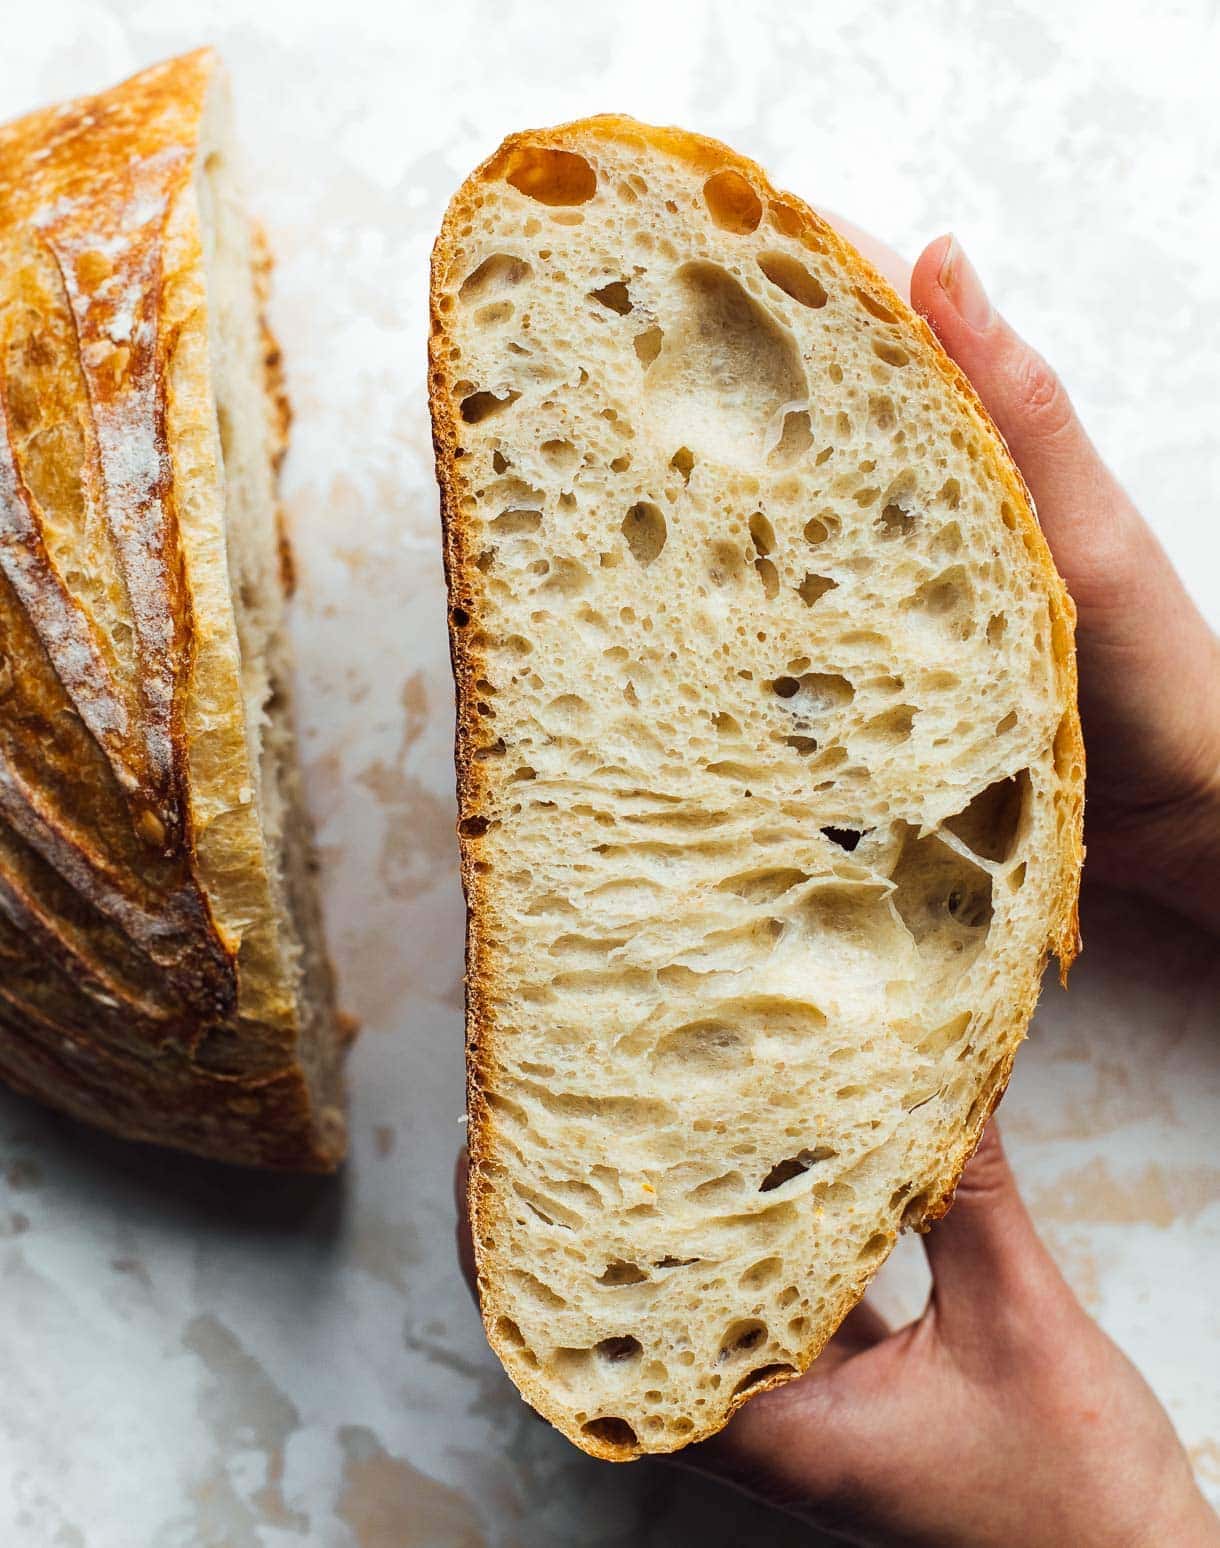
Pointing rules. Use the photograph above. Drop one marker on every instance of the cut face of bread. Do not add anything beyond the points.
(162, 967)
(769, 767)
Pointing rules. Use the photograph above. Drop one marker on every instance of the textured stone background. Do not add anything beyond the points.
(190, 1359)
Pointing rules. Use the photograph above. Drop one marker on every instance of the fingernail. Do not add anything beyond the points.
(964, 288)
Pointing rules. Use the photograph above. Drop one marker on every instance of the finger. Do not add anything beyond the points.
(986, 1251)
(1089, 522)
(465, 1240)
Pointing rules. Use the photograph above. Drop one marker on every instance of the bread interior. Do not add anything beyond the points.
(249, 436)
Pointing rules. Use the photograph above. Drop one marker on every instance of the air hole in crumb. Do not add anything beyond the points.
(943, 899)
(951, 493)
(474, 827)
(817, 530)
(764, 1373)
(762, 533)
(648, 345)
(814, 587)
(616, 1351)
(742, 1338)
(892, 354)
(509, 1333)
(483, 405)
(874, 1247)
(620, 1272)
(787, 218)
(761, 1273)
(554, 177)
(989, 825)
(895, 521)
(815, 692)
(732, 202)
(515, 523)
(1015, 879)
(620, 464)
(683, 461)
(794, 1166)
(561, 454)
(460, 617)
(876, 308)
(499, 272)
(945, 595)
(845, 838)
(1003, 727)
(917, 1208)
(793, 278)
(769, 576)
(892, 725)
(806, 746)
(615, 1434)
(615, 296)
(795, 438)
(645, 531)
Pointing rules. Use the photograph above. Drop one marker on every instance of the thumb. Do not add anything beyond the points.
(986, 1252)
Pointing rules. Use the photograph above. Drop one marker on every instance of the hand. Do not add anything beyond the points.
(1003, 1416)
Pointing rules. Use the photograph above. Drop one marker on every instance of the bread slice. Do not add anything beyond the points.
(162, 967)
(770, 771)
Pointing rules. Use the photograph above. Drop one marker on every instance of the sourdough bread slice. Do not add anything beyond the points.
(770, 771)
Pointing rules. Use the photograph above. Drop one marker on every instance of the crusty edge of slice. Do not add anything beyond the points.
(1063, 937)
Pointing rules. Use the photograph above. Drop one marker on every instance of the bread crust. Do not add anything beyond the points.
(1063, 939)
(126, 998)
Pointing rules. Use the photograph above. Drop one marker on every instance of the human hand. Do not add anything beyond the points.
(1004, 1415)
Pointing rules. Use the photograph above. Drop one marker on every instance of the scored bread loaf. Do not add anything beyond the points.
(770, 772)
(162, 967)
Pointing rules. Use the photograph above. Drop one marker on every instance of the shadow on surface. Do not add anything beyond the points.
(111, 1174)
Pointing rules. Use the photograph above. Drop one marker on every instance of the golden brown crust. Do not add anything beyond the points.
(468, 665)
(122, 996)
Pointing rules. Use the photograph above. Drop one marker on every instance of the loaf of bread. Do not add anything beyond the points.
(162, 967)
(770, 771)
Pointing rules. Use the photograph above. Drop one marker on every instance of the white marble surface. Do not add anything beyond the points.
(193, 1359)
